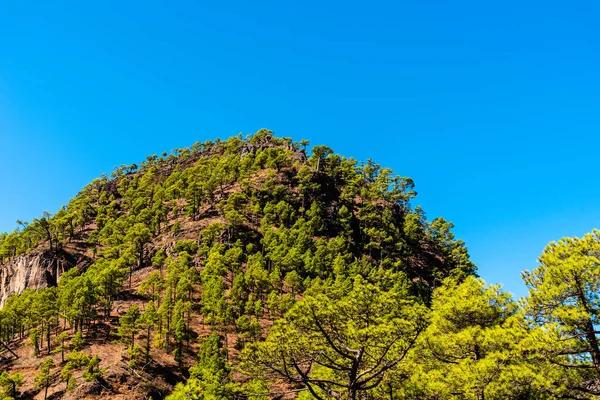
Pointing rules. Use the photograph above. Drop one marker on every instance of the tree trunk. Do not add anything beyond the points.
(148, 345)
(48, 338)
(167, 336)
(351, 394)
(7, 348)
(593, 343)
(589, 331)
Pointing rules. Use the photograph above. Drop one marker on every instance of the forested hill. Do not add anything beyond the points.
(252, 268)
(204, 246)
(252, 191)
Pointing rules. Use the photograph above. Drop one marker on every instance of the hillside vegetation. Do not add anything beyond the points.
(248, 269)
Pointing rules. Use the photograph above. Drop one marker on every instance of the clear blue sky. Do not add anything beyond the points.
(492, 107)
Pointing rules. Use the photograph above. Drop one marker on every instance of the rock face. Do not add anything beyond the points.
(34, 270)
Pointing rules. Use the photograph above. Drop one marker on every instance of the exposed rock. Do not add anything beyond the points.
(34, 270)
(300, 156)
(152, 390)
(265, 143)
(117, 374)
(84, 390)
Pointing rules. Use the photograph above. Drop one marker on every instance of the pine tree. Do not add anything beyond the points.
(149, 320)
(61, 338)
(340, 344)
(564, 300)
(34, 340)
(92, 370)
(44, 378)
(129, 325)
(209, 378)
(10, 385)
(471, 346)
(179, 331)
(77, 342)
(165, 313)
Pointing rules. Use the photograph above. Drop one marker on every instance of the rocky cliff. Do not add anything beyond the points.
(33, 271)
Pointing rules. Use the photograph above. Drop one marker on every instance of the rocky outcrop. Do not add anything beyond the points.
(84, 391)
(34, 270)
(267, 142)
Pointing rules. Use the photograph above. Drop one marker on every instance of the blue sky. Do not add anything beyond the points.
(492, 107)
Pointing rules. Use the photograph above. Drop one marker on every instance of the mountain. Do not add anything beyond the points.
(250, 269)
(188, 260)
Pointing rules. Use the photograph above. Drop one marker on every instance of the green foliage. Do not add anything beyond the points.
(149, 320)
(130, 325)
(10, 384)
(209, 378)
(563, 307)
(470, 347)
(93, 371)
(188, 246)
(152, 286)
(77, 342)
(66, 376)
(293, 281)
(44, 378)
(61, 338)
(90, 366)
(34, 340)
(340, 339)
(180, 332)
(135, 354)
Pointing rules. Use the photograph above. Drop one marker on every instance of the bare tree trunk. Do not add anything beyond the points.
(7, 348)
(48, 338)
